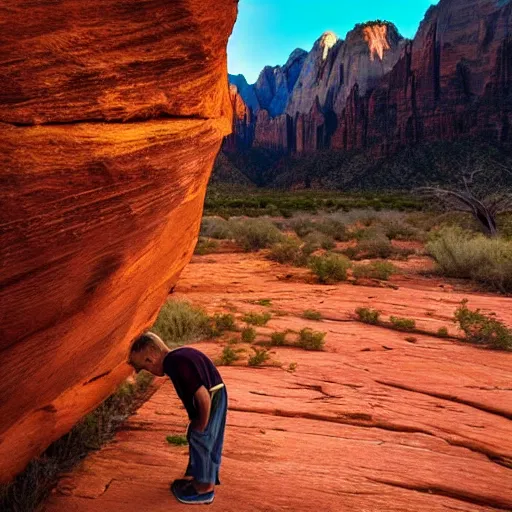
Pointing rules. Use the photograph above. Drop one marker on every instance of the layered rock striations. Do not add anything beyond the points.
(111, 115)
(378, 92)
(324, 80)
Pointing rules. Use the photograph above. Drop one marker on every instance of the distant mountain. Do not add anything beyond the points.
(377, 92)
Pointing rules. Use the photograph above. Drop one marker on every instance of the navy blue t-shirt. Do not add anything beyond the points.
(190, 369)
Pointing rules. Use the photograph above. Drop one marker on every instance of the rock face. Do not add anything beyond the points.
(375, 91)
(275, 84)
(242, 132)
(298, 103)
(111, 115)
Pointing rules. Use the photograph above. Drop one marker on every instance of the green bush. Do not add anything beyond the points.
(368, 315)
(311, 340)
(465, 255)
(179, 322)
(376, 270)
(402, 324)
(483, 330)
(442, 332)
(206, 246)
(316, 240)
(223, 322)
(248, 335)
(310, 314)
(377, 247)
(259, 357)
(292, 367)
(332, 228)
(366, 233)
(257, 318)
(329, 268)
(228, 356)
(177, 440)
(289, 251)
(215, 227)
(397, 229)
(278, 339)
(255, 234)
(264, 302)
(303, 226)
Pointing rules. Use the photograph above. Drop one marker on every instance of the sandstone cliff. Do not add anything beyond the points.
(111, 115)
(376, 92)
(304, 118)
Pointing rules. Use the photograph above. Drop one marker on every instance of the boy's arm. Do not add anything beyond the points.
(203, 405)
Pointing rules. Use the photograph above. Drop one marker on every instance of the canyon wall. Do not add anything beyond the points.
(376, 91)
(111, 116)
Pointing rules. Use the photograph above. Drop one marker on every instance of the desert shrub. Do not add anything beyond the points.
(376, 270)
(228, 357)
(278, 339)
(257, 318)
(263, 302)
(376, 247)
(332, 228)
(402, 324)
(177, 440)
(442, 332)
(206, 246)
(248, 335)
(259, 357)
(303, 226)
(366, 233)
(311, 340)
(222, 322)
(329, 267)
(368, 315)
(310, 314)
(317, 240)
(292, 367)
(482, 329)
(215, 227)
(255, 234)
(289, 251)
(457, 252)
(396, 229)
(179, 322)
(462, 254)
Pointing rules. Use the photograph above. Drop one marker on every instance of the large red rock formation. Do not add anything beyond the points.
(379, 92)
(111, 115)
(453, 80)
(304, 118)
(242, 133)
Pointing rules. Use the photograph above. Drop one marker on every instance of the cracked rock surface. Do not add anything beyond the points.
(423, 426)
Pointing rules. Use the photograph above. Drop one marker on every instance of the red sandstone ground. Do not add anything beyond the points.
(374, 423)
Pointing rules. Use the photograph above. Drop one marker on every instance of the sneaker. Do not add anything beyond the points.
(180, 482)
(188, 495)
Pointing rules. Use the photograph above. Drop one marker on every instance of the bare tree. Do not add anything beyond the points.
(482, 191)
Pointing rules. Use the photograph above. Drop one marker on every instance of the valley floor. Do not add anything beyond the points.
(381, 421)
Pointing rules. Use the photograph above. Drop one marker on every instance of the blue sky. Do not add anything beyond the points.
(267, 31)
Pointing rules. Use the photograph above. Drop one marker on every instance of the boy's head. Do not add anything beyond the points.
(147, 353)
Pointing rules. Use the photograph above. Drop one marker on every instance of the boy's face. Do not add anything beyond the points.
(148, 360)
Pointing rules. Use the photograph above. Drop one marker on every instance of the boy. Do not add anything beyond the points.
(200, 388)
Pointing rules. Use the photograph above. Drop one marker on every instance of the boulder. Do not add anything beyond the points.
(111, 115)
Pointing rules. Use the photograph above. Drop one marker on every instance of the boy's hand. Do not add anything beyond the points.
(203, 405)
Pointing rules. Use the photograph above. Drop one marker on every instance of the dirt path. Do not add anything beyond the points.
(375, 423)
